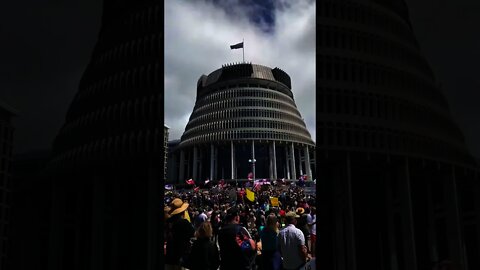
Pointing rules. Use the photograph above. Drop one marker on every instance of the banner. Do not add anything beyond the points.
(274, 201)
(250, 195)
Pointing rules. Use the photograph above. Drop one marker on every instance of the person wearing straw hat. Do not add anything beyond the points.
(179, 232)
(302, 224)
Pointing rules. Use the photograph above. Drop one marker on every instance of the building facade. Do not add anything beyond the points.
(245, 120)
(6, 150)
(397, 184)
(107, 168)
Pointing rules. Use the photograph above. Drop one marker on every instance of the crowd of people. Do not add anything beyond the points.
(230, 227)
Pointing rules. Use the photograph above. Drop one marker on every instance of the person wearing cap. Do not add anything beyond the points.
(178, 232)
(292, 244)
(233, 256)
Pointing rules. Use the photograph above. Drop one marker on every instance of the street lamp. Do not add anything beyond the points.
(253, 167)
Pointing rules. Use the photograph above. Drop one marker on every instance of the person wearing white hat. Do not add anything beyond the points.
(179, 233)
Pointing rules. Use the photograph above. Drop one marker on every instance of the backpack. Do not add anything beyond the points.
(243, 241)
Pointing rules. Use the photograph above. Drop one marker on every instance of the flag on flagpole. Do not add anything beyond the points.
(250, 195)
(237, 46)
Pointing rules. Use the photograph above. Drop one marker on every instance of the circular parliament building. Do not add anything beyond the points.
(244, 121)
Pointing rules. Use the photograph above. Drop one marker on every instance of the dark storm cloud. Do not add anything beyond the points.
(44, 50)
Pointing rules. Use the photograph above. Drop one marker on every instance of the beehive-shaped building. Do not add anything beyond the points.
(397, 183)
(244, 112)
(107, 162)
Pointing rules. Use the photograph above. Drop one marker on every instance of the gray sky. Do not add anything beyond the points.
(198, 36)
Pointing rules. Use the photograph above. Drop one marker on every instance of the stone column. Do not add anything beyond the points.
(57, 227)
(80, 225)
(212, 158)
(189, 166)
(391, 222)
(287, 162)
(270, 161)
(98, 208)
(195, 163)
(232, 152)
(181, 173)
(300, 158)
(307, 163)
(274, 161)
(215, 165)
(351, 229)
(200, 164)
(294, 172)
(432, 240)
(456, 245)
(408, 228)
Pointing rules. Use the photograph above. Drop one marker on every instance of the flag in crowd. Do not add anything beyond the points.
(274, 201)
(190, 182)
(187, 216)
(168, 187)
(250, 195)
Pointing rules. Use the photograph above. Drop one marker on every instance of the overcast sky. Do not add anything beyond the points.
(198, 36)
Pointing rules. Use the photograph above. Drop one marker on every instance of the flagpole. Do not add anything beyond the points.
(243, 50)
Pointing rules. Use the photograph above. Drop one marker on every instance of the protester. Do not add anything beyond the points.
(178, 232)
(302, 224)
(237, 249)
(200, 218)
(312, 223)
(292, 244)
(215, 201)
(215, 221)
(204, 254)
(271, 258)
